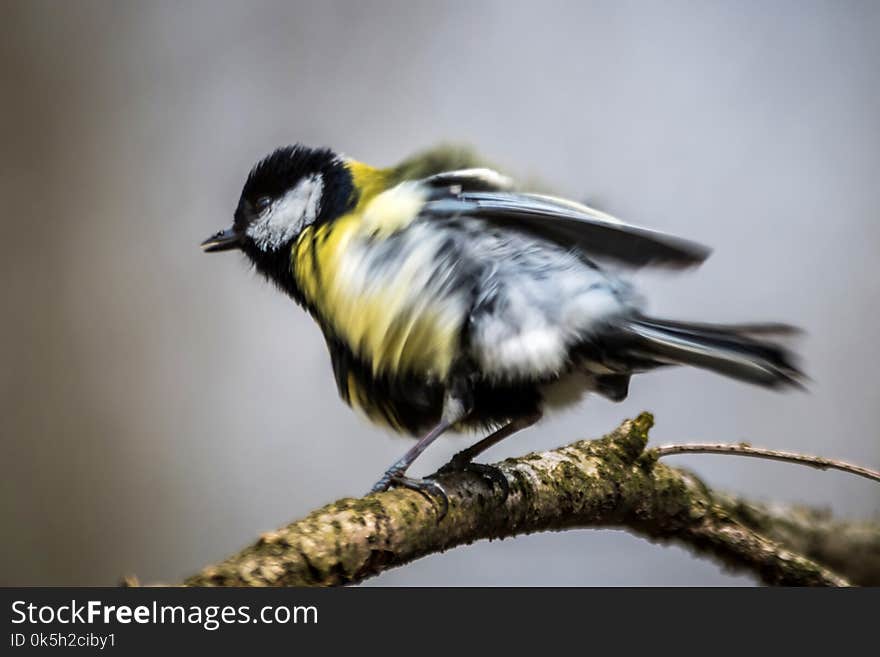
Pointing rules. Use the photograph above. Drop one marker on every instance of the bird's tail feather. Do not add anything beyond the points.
(741, 352)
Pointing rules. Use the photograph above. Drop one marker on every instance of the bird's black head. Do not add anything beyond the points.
(287, 191)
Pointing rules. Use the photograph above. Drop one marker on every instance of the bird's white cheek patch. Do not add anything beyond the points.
(287, 216)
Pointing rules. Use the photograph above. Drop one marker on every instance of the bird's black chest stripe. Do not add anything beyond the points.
(403, 401)
(413, 404)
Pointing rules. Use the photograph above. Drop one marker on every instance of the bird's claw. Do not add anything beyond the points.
(489, 473)
(431, 490)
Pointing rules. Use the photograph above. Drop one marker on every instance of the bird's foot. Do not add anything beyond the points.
(489, 473)
(433, 491)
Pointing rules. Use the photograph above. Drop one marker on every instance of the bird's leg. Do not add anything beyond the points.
(396, 471)
(463, 460)
(469, 454)
(453, 412)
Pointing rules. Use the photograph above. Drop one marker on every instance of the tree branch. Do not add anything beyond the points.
(744, 449)
(610, 482)
(851, 549)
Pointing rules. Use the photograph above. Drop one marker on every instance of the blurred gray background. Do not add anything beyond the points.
(159, 408)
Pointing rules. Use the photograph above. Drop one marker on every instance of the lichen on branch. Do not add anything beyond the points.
(610, 482)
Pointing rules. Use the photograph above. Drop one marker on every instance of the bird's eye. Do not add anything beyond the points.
(263, 203)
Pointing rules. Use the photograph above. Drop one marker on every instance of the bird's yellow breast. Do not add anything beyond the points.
(375, 296)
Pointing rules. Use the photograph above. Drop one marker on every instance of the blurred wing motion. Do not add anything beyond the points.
(471, 180)
(431, 274)
(480, 193)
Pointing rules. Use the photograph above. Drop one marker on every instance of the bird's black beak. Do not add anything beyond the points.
(221, 241)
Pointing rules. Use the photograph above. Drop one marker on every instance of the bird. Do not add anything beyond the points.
(450, 298)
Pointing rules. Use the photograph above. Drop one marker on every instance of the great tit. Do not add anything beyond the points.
(450, 299)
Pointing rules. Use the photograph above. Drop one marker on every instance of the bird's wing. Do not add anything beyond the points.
(478, 179)
(569, 224)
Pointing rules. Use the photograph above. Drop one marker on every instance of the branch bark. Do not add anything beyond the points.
(850, 548)
(610, 482)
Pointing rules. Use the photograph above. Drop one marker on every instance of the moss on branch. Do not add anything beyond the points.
(610, 482)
